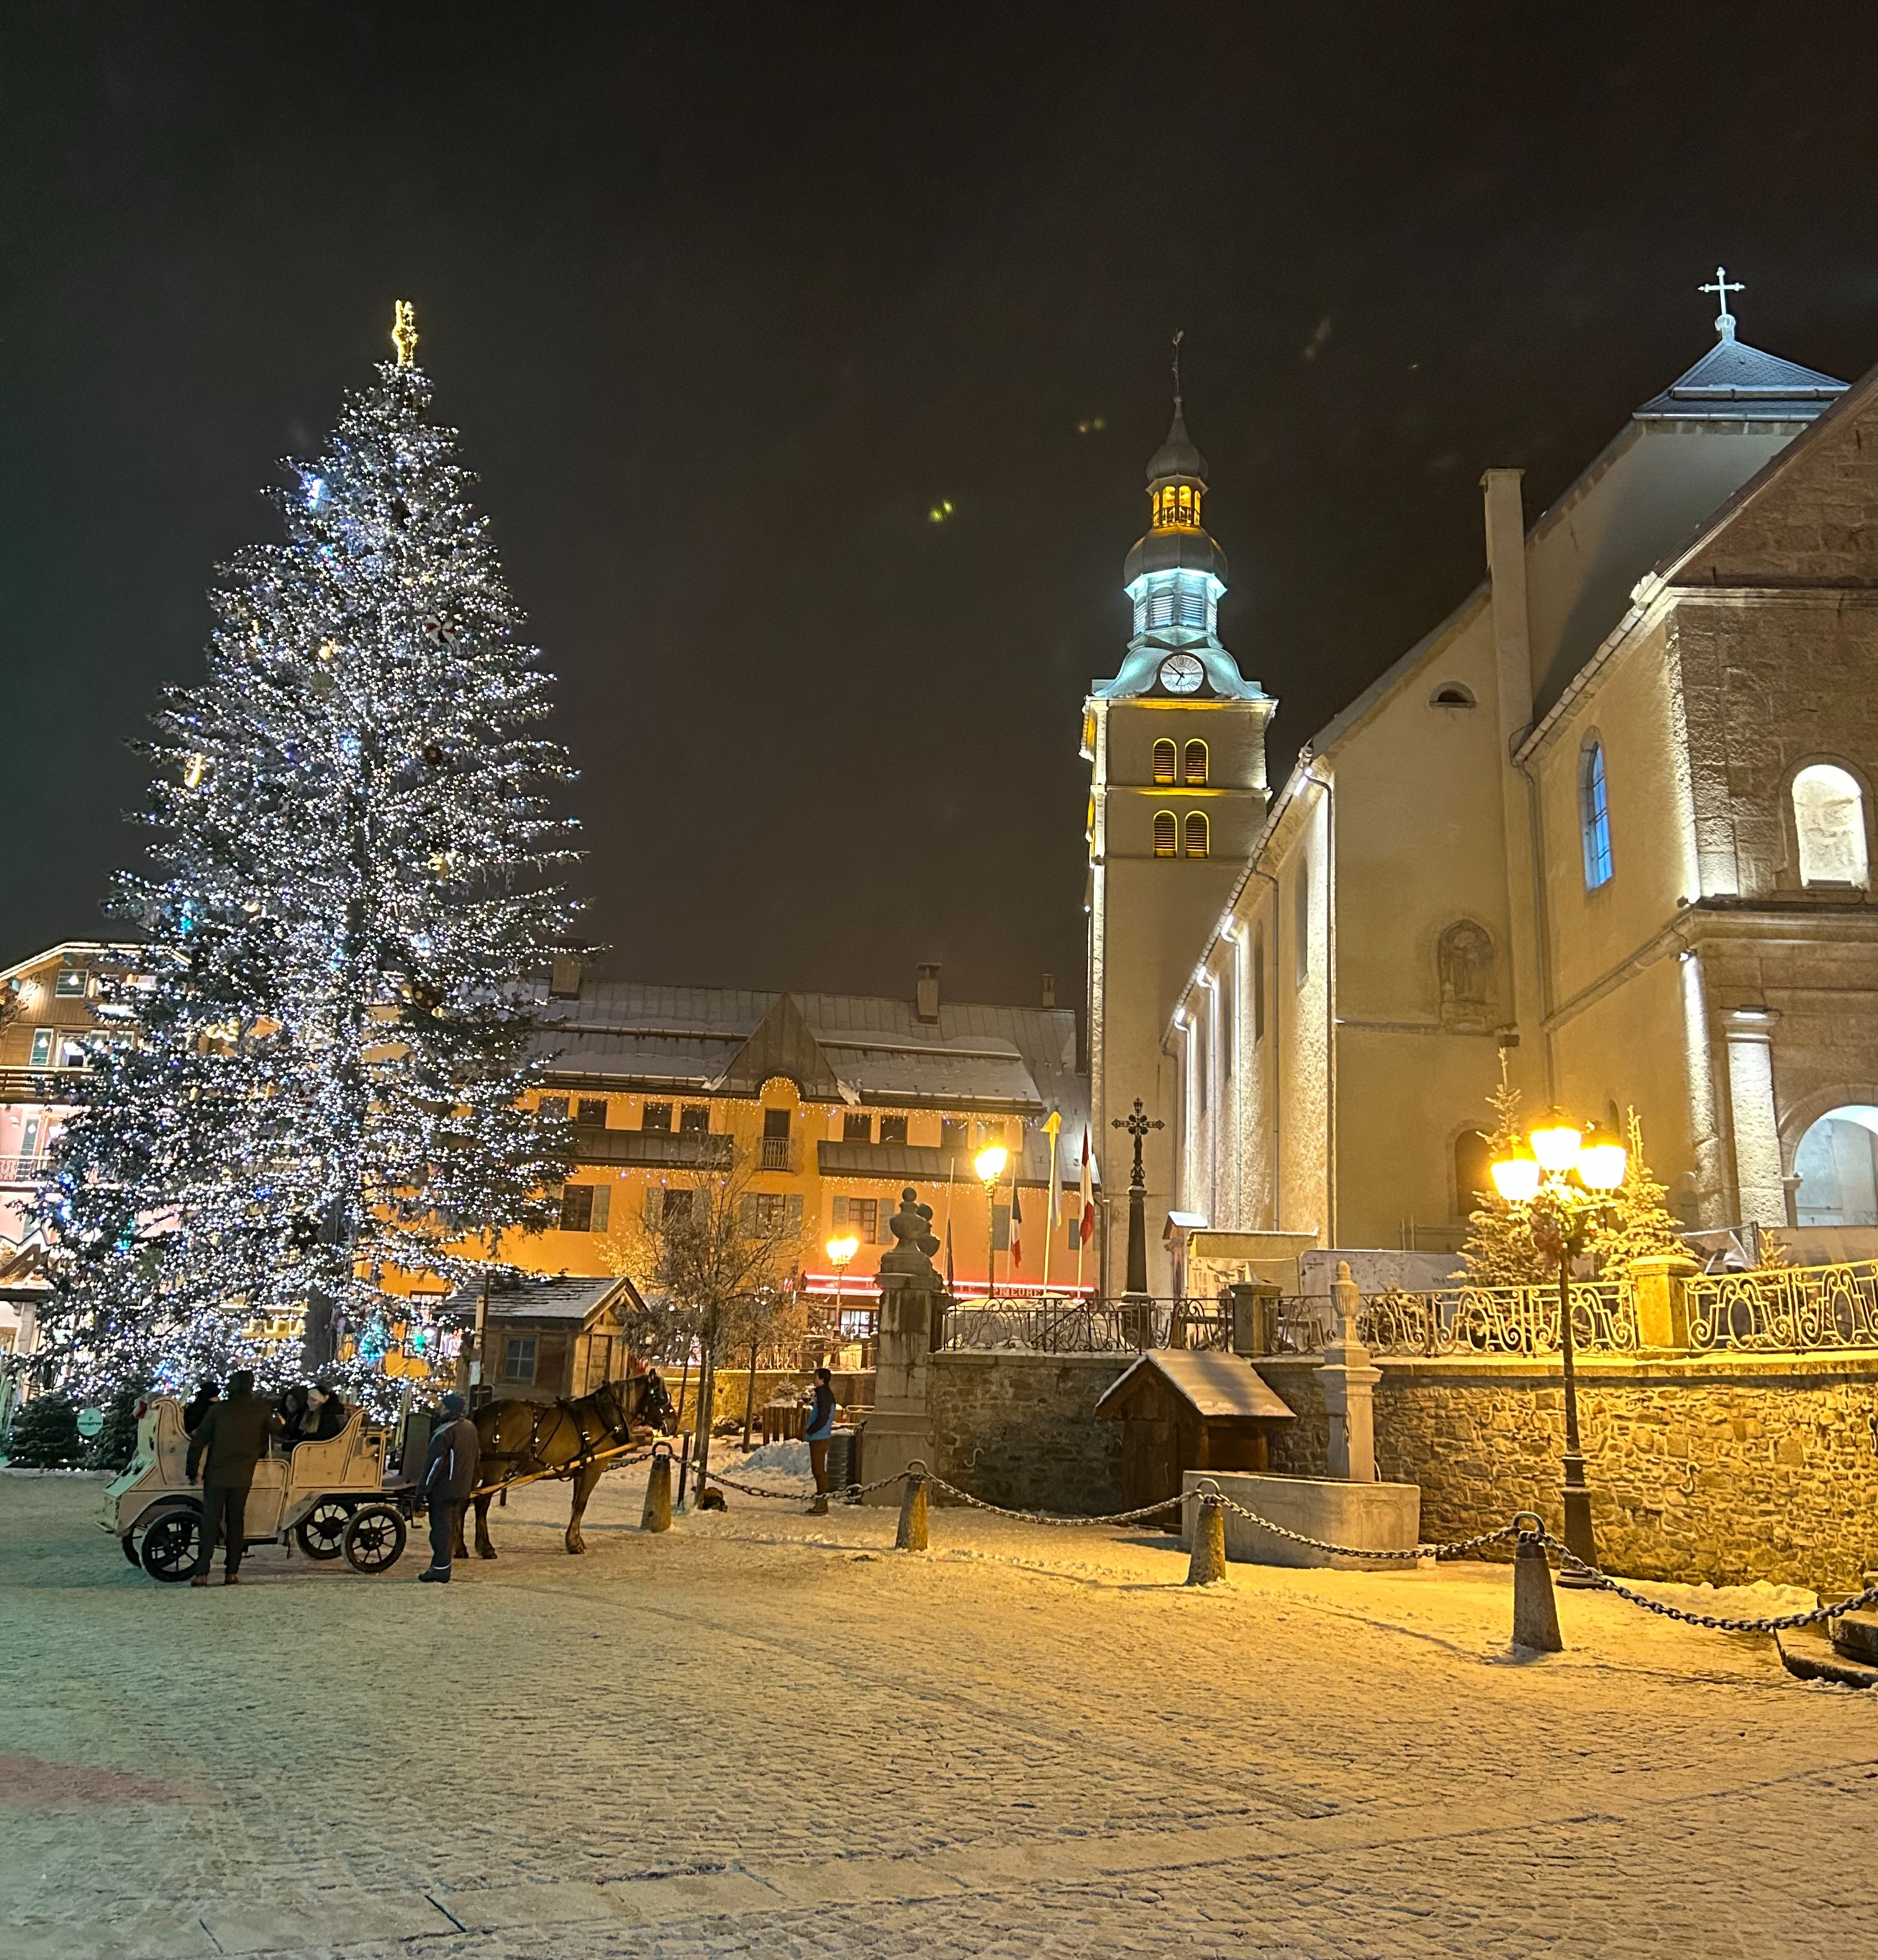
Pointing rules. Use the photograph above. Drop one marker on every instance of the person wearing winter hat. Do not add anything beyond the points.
(450, 1476)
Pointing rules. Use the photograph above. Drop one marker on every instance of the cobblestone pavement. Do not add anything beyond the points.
(768, 1735)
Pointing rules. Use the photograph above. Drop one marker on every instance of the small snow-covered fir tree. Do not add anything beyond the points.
(1498, 1250)
(316, 1088)
(1638, 1224)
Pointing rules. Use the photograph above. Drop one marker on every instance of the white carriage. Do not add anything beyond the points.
(328, 1498)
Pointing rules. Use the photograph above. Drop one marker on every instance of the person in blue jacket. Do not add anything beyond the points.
(815, 1431)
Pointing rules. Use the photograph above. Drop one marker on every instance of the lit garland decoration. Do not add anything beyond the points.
(317, 1084)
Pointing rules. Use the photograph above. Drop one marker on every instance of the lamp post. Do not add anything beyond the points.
(839, 1252)
(989, 1163)
(1564, 1180)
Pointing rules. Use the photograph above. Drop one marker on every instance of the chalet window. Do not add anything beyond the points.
(892, 1129)
(694, 1120)
(592, 1111)
(856, 1127)
(1166, 833)
(555, 1108)
(71, 981)
(41, 1054)
(859, 1216)
(1193, 763)
(1594, 814)
(1164, 762)
(656, 1116)
(518, 1359)
(1199, 841)
(1830, 822)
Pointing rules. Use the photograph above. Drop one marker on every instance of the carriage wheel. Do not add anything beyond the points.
(321, 1533)
(374, 1538)
(128, 1542)
(170, 1544)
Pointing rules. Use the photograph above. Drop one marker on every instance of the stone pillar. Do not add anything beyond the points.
(1761, 1190)
(1255, 1312)
(1656, 1285)
(900, 1429)
(1348, 1379)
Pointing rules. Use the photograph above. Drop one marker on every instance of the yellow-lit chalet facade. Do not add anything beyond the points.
(825, 1107)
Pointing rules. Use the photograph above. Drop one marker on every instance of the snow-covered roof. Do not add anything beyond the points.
(1214, 1384)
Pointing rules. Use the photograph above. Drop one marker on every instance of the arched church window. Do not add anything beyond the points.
(1164, 762)
(1193, 763)
(1829, 821)
(1473, 1188)
(1594, 814)
(1166, 833)
(1197, 837)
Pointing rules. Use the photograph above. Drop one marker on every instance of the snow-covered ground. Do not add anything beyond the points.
(768, 1734)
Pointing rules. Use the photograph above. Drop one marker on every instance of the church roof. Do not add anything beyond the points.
(1736, 383)
(1176, 456)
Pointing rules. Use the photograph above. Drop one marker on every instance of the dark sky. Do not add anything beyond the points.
(725, 299)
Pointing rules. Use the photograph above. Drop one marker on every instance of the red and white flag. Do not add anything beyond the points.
(1088, 1225)
(1017, 1226)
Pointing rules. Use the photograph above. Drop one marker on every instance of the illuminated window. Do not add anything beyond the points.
(859, 1216)
(1193, 763)
(1164, 762)
(70, 980)
(42, 1053)
(656, 1116)
(1829, 819)
(1197, 839)
(1177, 507)
(694, 1120)
(1594, 814)
(1166, 837)
(591, 1110)
(892, 1129)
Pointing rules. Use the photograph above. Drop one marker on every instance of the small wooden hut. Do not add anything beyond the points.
(1179, 1410)
(547, 1338)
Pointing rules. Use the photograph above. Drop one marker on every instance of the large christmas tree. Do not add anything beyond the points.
(315, 1092)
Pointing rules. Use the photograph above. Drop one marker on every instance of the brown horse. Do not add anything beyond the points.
(576, 1442)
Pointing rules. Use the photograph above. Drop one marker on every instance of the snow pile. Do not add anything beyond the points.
(1763, 1600)
(778, 1459)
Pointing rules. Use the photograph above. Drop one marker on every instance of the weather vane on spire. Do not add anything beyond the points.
(1180, 334)
(1721, 286)
(404, 332)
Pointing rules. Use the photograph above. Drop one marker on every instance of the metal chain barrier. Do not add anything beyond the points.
(846, 1493)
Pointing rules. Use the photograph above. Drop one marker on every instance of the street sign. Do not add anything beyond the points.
(90, 1420)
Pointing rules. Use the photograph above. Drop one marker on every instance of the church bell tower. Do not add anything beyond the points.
(1175, 746)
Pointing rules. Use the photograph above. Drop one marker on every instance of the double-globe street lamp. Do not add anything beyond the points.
(989, 1163)
(1563, 1179)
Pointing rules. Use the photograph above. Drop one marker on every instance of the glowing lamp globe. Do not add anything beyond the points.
(990, 1162)
(1601, 1162)
(1556, 1145)
(1516, 1178)
(840, 1251)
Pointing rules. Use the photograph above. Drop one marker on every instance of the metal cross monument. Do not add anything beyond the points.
(1721, 286)
(1137, 1127)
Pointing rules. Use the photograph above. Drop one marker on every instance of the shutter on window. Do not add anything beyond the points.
(839, 1216)
(651, 1204)
(603, 1205)
(792, 1215)
(747, 1215)
(1001, 1228)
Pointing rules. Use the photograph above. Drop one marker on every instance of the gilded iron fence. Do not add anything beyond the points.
(1097, 1327)
(1499, 1320)
(1784, 1309)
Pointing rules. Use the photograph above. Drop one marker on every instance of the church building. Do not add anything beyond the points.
(1610, 821)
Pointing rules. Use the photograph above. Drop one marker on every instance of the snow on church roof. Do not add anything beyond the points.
(1738, 383)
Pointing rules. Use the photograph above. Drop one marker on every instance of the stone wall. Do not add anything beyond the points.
(1022, 1430)
(1729, 1467)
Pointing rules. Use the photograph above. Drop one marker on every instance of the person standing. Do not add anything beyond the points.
(819, 1426)
(230, 1440)
(450, 1476)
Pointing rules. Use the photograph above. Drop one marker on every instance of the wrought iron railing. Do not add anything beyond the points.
(779, 1154)
(1785, 1310)
(23, 1170)
(1499, 1320)
(1097, 1327)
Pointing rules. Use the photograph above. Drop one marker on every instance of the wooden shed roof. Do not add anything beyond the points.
(1214, 1384)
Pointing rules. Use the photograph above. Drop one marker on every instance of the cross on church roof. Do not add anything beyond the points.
(1721, 286)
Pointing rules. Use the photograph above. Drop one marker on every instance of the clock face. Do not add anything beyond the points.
(1182, 673)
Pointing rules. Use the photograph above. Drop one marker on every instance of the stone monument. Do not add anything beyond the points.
(1348, 1379)
(899, 1430)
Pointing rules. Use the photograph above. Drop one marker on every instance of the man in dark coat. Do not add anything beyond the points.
(208, 1391)
(231, 1439)
(450, 1476)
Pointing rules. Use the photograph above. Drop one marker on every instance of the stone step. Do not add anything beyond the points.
(1855, 1635)
(1806, 1653)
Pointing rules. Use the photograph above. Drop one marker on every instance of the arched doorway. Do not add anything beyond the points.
(1837, 1165)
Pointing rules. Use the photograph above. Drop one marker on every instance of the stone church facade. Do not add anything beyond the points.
(1611, 821)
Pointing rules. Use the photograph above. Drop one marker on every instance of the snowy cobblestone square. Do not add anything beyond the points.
(765, 1734)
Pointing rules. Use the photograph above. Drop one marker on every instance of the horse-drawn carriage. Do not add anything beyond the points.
(329, 1496)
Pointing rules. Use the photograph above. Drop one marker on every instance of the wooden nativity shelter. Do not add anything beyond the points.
(548, 1338)
(1179, 1410)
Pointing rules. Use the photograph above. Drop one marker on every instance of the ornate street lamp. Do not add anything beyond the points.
(1564, 1180)
(989, 1163)
(839, 1252)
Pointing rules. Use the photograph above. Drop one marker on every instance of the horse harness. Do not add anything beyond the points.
(561, 1407)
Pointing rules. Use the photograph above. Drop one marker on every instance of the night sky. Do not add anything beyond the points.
(726, 299)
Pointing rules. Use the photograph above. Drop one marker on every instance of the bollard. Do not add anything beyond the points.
(1207, 1566)
(657, 1514)
(912, 1534)
(1535, 1610)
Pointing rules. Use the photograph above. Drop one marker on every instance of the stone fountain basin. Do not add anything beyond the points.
(1376, 1517)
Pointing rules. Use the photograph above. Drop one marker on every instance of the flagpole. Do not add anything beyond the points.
(1053, 1205)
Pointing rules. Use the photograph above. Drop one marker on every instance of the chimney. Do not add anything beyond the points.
(563, 983)
(1050, 990)
(926, 994)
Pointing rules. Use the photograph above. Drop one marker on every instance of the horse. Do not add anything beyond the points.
(563, 1438)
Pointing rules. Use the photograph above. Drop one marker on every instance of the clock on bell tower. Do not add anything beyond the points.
(1175, 746)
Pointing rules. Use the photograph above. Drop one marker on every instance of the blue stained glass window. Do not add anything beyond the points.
(1595, 816)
